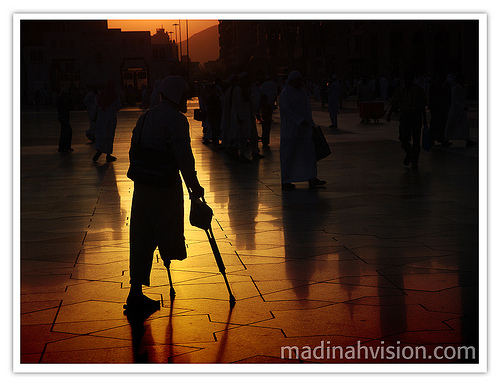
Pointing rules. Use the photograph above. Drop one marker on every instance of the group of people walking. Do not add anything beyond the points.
(448, 111)
(230, 116)
(101, 109)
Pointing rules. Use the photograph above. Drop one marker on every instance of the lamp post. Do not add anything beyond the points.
(187, 50)
(177, 40)
(180, 40)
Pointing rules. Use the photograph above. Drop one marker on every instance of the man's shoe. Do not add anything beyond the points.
(316, 182)
(287, 186)
(141, 305)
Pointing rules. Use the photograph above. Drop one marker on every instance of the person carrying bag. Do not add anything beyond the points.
(160, 152)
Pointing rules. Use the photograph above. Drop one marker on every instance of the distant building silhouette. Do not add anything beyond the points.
(350, 48)
(58, 54)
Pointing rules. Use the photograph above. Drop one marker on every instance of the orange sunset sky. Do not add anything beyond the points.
(194, 26)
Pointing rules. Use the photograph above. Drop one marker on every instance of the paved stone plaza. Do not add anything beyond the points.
(383, 255)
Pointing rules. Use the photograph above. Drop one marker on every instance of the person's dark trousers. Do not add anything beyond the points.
(266, 132)
(410, 131)
(65, 137)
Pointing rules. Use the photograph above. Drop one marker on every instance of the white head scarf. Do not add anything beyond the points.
(173, 87)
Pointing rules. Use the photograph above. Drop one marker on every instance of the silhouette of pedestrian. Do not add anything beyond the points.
(90, 104)
(439, 107)
(240, 116)
(63, 117)
(365, 93)
(266, 116)
(270, 90)
(457, 126)
(297, 151)
(410, 100)
(227, 140)
(157, 214)
(214, 112)
(108, 103)
(333, 101)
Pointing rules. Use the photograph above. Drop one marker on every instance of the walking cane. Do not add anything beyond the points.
(201, 217)
(220, 263)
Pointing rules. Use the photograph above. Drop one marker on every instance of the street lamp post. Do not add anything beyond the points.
(176, 39)
(180, 40)
(187, 50)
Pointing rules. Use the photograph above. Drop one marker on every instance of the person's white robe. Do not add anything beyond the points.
(106, 126)
(297, 152)
(240, 116)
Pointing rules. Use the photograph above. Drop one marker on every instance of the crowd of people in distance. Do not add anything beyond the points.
(232, 110)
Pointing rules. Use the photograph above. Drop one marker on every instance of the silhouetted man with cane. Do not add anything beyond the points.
(160, 148)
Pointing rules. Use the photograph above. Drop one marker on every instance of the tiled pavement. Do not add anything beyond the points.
(383, 255)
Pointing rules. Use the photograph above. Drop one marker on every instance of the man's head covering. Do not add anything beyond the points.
(173, 87)
(293, 75)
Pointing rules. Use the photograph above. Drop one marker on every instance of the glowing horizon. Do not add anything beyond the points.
(194, 26)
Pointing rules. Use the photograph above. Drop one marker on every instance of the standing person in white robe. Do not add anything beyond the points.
(108, 103)
(457, 126)
(297, 152)
(269, 88)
